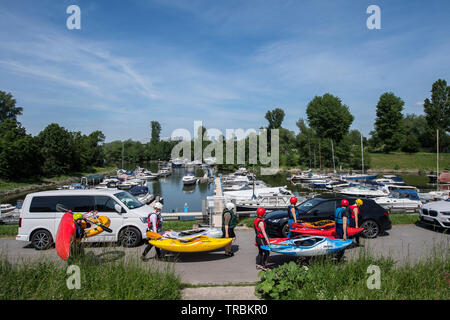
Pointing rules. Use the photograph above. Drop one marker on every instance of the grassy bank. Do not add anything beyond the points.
(7, 231)
(37, 182)
(402, 161)
(404, 218)
(46, 280)
(324, 279)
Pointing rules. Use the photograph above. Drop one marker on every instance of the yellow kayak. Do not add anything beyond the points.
(95, 230)
(196, 244)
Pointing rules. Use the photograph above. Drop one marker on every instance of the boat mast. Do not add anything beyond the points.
(122, 154)
(332, 152)
(362, 153)
(437, 159)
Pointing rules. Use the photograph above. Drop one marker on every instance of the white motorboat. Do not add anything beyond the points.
(164, 172)
(189, 179)
(308, 177)
(361, 191)
(108, 183)
(253, 194)
(359, 177)
(388, 188)
(434, 195)
(267, 201)
(142, 194)
(235, 187)
(210, 161)
(400, 200)
(6, 207)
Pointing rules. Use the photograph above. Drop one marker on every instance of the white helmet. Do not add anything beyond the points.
(158, 205)
(230, 206)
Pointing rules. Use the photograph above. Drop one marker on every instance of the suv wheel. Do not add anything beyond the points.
(41, 240)
(371, 229)
(130, 237)
(285, 230)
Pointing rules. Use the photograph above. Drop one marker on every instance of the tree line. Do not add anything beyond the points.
(54, 151)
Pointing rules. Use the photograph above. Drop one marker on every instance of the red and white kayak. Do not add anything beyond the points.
(64, 236)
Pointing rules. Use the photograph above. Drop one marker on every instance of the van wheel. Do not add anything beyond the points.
(371, 229)
(41, 240)
(130, 237)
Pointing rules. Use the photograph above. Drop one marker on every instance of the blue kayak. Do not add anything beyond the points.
(309, 246)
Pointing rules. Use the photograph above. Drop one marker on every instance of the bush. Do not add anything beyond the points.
(326, 279)
(283, 282)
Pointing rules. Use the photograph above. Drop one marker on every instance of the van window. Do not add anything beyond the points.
(73, 203)
(105, 204)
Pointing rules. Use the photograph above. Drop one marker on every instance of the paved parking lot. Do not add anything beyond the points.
(404, 243)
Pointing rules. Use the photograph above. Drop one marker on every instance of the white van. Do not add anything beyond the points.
(39, 217)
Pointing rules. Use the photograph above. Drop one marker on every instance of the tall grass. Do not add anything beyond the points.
(328, 280)
(46, 280)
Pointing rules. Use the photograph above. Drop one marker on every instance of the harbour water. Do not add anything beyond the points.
(176, 195)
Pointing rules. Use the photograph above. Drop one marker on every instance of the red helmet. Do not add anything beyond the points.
(344, 202)
(261, 212)
(293, 200)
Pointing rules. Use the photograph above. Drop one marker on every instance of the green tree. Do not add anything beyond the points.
(19, 153)
(156, 131)
(437, 114)
(329, 117)
(56, 148)
(389, 122)
(438, 109)
(8, 109)
(275, 118)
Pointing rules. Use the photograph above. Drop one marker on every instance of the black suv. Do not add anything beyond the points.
(372, 217)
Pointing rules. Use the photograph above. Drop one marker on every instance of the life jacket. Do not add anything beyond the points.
(338, 215)
(233, 219)
(158, 222)
(351, 210)
(258, 231)
(290, 213)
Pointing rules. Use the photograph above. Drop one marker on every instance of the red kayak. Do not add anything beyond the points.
(324, 224)
(329, 232)
(65, 236)
(275, 240)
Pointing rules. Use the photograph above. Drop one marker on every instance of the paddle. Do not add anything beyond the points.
(105, 228)
(61, 208)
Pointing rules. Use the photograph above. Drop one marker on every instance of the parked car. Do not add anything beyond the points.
(39, 216)
(436, 213)
(373, 218)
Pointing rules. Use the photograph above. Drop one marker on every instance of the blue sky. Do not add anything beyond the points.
(223, 62)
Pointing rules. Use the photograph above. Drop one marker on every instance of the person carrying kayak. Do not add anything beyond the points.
(228, 225)
(353, 217)
(292, 214)
(80, 224)
(340, 218)
(154, 225)
(261, 239)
